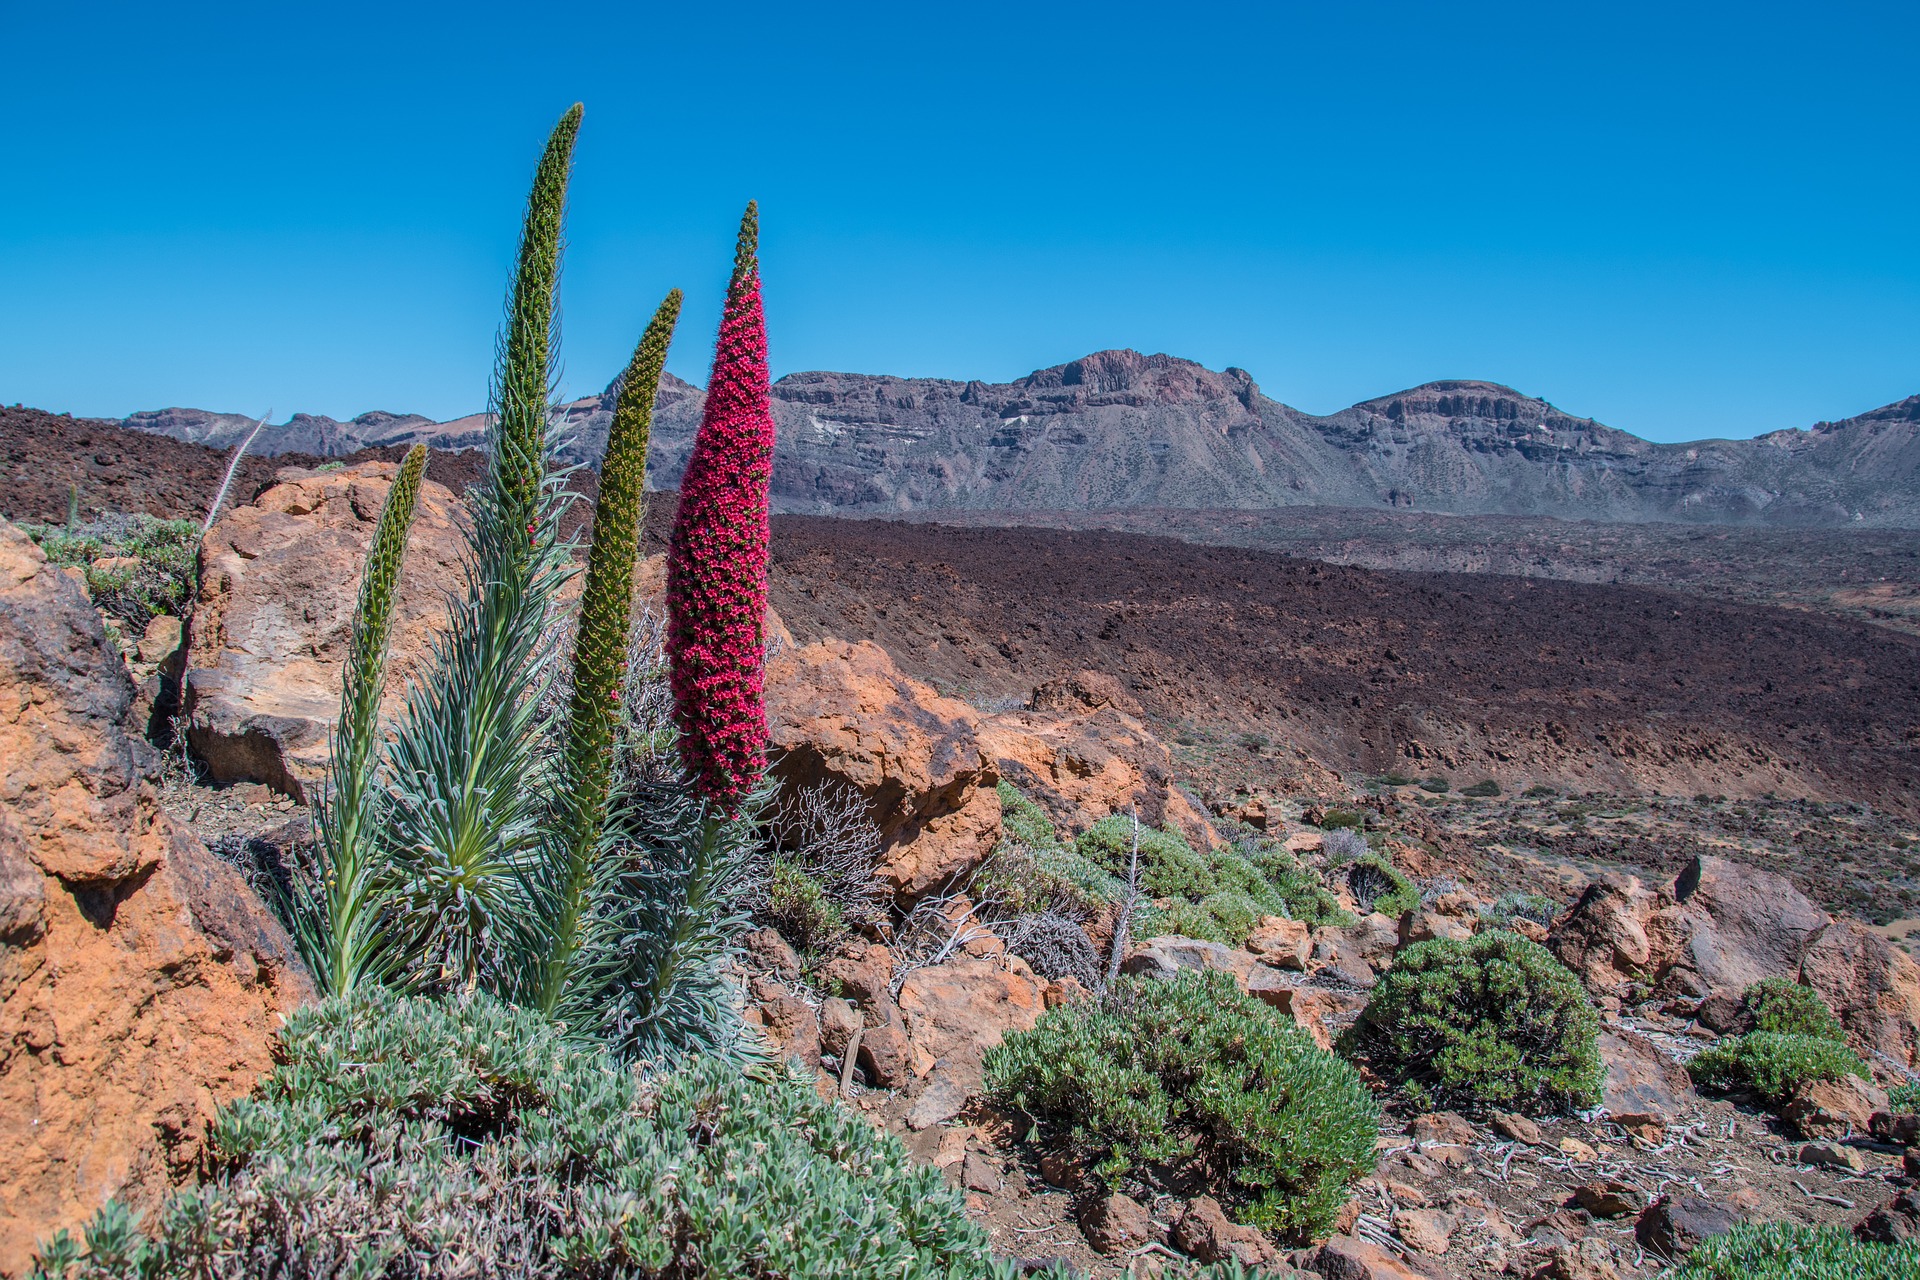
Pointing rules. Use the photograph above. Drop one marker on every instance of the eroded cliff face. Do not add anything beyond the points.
(1120, 430)
(141, 981)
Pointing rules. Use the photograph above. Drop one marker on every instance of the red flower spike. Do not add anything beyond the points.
(717, 561)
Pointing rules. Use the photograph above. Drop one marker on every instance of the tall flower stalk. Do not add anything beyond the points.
(339, 923)
(600, 654)
(717, 562)
(467, 772)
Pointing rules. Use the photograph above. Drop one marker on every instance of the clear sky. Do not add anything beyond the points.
(1684, 220)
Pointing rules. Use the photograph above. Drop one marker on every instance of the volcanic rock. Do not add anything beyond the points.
(845, 712)
(141, 982)
(279, 579)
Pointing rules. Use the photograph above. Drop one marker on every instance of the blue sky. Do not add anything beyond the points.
(1684, 220)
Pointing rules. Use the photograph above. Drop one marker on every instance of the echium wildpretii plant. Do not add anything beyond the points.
(469, 781)
(717, 564)
(341, 918)
(502, 850)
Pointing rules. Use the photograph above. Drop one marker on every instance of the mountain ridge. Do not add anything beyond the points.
(1119, 428)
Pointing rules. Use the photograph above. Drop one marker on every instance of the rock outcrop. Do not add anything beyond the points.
(844, 712)
(140, 980)
(1081, 750)
(279, 578)
(1723, 926)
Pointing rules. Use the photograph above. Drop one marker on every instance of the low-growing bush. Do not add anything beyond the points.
(1770, 1065)
(1786, 1007)
(1509, 907)
(1377, 885)
(1439, 786)
(1788, 1251)
(1482, 790)
(1492, 1022)
(1904, 1099)
(798, 906)
(1342, 820)
(1194, 1073)
(406, 1136)
(1169, 866)
(160, 581)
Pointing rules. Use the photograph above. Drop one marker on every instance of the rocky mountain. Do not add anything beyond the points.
(1118, 429)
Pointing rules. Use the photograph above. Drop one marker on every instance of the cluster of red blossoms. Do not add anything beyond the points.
(717, 562)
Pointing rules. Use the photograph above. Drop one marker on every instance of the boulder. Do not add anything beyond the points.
(1871, 985)
(1642, 1085)
(1115, 1223)
(1748, 924)
(1428, 1230)
(1672, 1225)
(1831, 1155)
(790, 1025)
(846, 712)
(1444, 1128)
(1603, 938)
(1425, 926)
(956, 1011)
(1608, 1198)
(1350, 1258)
(141, 982)
(1204, 1232)
(1833, 1108)
(1894, 1222)
(1170, 955)
(1283, 943)
(278, 580)
(1082, 752)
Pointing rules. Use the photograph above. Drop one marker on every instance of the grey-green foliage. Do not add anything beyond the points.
(1218, 896)
(1056, 868)
(342, 913)
(1771, 1064)
(460, 1137)
(1377, 885)
(469, 779)
(132, 594)
(1788, 1251)
(1492, 1022)
(1193, 1071)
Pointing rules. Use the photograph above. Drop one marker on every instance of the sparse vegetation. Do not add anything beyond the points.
(1482, 790)
(1377, 885)
(1159, 1072)
(1770, 1065)
(1788, 1251)
(1784, 1006)
(1492, 1022)
(1509, 907)
(148, 563)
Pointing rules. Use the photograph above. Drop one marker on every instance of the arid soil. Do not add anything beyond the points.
(1468, 677)
(44, 457)
(1872, 575)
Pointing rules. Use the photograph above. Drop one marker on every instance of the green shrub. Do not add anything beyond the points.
(1342, 819)
(167, 551)
(1771, 1065)
(1192, 1068)
(1439, 786)
(798, 906)
(1377, 885)
(405, 1136)
(1786, 1007)
(1539, 792)
(1788, 1251)
(1509, 907)
(1169, 867)
(1482, 790)
(1039, 867)
(1492, 1022)
(1904, 1099)
(1298, 888)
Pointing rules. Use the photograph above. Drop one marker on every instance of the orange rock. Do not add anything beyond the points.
(278, 581)
(140, 981)
(838, 710)
(958, 1010)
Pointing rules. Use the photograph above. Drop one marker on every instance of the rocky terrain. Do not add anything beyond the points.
(1118, 429)
(1698, 788)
